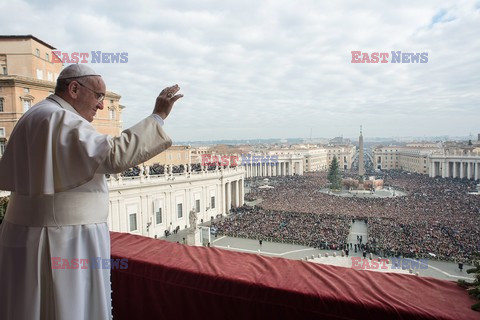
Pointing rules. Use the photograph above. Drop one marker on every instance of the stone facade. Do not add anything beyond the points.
(150, 204)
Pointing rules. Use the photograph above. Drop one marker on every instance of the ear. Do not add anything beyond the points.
(73, 89)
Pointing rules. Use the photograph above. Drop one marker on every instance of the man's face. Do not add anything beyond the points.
(88, 90)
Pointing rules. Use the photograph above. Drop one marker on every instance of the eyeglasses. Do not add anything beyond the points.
(98, 95)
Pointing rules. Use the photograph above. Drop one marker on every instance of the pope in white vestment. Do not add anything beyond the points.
(56, 221)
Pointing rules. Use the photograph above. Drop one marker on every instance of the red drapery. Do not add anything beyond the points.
(173, 281)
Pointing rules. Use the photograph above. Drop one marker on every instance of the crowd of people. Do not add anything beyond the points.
(314, 230)
(436, 218)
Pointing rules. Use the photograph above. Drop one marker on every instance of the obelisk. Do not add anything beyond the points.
(361, 168)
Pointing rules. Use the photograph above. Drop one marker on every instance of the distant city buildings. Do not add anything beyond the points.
(448, 159)
(175, 155)
(293, 160)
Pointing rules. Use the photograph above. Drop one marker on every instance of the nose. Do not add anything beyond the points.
(100, 105)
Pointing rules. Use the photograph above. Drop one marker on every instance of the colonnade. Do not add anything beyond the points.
(280, 167)
(462, 168)
(234, 194)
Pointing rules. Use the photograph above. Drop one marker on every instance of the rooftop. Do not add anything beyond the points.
(26, 37)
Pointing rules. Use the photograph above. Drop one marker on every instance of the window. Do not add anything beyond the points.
(47, 57)
(179, 210)
(26, 90)
(197, 205)
(111, 113)
(39, 74)
(37, 52)
(1, 104)
(2, 132)
(158, 216)
(26, 105)
(2, 147)
(212, 202)
(133, 222)
(4, 70)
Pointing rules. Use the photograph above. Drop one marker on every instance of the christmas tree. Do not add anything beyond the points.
(473, 288)
(334, 176)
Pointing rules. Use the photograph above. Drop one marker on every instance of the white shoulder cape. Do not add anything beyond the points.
(64, 150)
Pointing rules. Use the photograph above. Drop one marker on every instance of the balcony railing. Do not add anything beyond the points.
(115, 180)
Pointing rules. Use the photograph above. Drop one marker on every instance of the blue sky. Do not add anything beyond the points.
(263, 69)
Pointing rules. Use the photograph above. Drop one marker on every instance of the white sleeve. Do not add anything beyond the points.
(158, 118)
(135, 145)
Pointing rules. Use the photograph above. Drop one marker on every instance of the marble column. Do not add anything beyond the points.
(241, 194)
(228, 197)
(237, 193)
(223, 196)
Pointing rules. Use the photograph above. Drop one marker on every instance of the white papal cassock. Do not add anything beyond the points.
(54, 165)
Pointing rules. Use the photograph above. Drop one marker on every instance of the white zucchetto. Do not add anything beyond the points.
(77, 71)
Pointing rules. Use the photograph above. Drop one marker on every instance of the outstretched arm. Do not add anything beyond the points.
(144, 140)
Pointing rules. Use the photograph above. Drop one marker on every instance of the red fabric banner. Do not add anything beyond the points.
(167, 280)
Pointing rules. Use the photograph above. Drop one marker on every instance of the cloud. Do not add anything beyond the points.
(266, 69)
